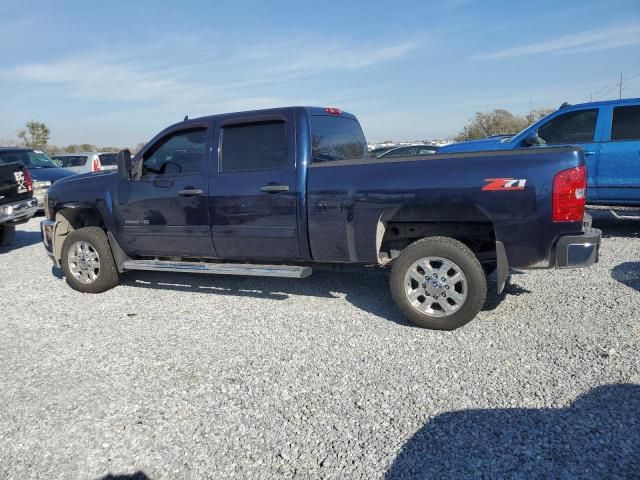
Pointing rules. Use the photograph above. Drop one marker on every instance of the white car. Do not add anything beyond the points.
(84, 162)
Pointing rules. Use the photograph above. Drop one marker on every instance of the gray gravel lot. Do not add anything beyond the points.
(183, 376)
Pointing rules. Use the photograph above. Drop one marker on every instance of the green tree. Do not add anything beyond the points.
(35, 135)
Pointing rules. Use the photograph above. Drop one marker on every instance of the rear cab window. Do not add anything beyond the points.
(70, 161)
(108, 159)
(336, 138)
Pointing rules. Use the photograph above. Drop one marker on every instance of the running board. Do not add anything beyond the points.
(621, 213)
(255, 270)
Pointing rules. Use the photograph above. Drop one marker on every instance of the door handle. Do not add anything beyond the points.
(589, 153)
(190, 192)
(274, 188)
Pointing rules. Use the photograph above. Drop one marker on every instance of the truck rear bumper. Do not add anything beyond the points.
(18, 212)
(578, 251)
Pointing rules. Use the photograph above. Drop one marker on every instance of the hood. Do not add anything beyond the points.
(49, 174)
(477, 145)
(83, 177)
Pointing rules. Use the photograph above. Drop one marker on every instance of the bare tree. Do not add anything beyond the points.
(499, 122)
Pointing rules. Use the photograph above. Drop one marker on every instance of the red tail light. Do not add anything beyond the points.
(28, 181)
(333, 111)
(96, 165)
(569, 195)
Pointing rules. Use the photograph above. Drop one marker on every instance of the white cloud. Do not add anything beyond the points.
(591, 40)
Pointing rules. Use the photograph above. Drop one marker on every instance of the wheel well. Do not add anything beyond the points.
(70, 219)
(478, 236)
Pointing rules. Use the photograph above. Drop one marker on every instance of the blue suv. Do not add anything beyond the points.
(609, 134)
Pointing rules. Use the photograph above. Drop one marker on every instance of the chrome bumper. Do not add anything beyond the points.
(578, 251)
(18, 211)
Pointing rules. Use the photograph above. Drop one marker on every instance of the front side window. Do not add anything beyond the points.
(336, 138)
(570, 127)
(626, 123)
(178, 153)
(254, 146)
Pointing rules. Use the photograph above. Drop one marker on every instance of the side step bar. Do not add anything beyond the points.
(287, 271)
(621, 213)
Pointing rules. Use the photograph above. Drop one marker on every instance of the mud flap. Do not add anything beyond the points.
(502, 266)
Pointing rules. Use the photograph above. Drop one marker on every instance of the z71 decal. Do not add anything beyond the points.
(504, 184)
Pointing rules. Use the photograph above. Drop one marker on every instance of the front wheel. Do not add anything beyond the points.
(438, 283)
(87, 261)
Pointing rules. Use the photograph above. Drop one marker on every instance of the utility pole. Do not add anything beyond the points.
(620, 85)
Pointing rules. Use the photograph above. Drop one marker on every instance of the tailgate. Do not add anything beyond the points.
(13, 183)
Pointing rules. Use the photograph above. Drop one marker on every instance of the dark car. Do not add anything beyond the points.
(410, 151)
(43, 170)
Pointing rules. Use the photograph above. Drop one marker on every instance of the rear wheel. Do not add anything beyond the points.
(87, 261)
(7, 234)
(438, 283)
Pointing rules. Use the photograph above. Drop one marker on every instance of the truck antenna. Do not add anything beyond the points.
(186, 117)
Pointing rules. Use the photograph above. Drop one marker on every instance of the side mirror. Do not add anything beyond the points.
(532, 139)
(124, 164)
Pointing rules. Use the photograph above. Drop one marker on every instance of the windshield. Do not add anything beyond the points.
(30, 158)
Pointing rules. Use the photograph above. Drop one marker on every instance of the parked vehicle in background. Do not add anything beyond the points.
(43, 170)
(410, 151)
(17, 204)
(374, 152)
(279, 192)
(84, 162)
(608, 132)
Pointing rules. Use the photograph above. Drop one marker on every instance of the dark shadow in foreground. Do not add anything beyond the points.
(598, 436)
(140, 475)
(628, 273)
(22, 239)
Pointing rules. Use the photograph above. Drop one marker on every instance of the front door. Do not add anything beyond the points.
(254, 197)
(163, 210)
(619, 169)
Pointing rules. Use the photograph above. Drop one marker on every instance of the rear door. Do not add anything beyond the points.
(619, 169)
(253, 195)
(578, 127)
(163, 210)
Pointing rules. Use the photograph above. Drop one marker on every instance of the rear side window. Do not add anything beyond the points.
(336, 138)
(626, 123)
(254, 146)
(109, 159)
(75, 161)
(570, 127)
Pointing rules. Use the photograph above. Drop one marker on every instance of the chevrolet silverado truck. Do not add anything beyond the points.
(283, 191)
(17, 204)
(608, 132)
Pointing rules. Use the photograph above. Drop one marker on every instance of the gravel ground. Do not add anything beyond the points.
(184, 376)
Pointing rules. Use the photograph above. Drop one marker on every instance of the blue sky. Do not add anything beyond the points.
(115, 73)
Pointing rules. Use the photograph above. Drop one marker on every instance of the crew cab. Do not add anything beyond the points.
(283, 191)
(17, 204)
(608, 132)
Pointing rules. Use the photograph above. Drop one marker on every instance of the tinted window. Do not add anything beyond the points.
(571, 127)
(427, 150)
(75, 161)
(626, 123)
(109, 159)
(179, 153)
(336, 138)
(254, 146)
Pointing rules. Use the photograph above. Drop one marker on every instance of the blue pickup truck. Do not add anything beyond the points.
(280, 192)
(608, 132)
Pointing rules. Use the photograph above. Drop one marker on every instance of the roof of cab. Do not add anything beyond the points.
(310, 110)
(623, 101)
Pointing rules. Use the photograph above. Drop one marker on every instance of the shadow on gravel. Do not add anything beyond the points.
(612, 227)
(510, 288)
(598, 436)
(23, 239)
(628, 273)
(366, 288)
(134, 476)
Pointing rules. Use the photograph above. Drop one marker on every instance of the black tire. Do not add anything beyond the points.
(456, 252)
(7, 234)
(107, 276)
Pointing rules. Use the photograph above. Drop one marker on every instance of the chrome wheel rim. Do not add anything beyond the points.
(84, 262)
(436, 286)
